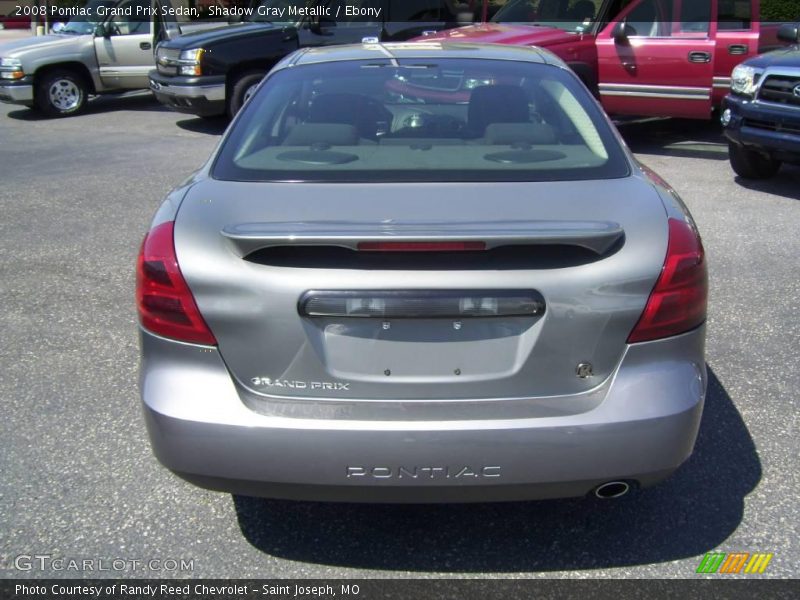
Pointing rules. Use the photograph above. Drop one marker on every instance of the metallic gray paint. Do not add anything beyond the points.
(448, 401)
(17, 94)
(419, 50)
(598, 236)
(641, 425)
(591, 308)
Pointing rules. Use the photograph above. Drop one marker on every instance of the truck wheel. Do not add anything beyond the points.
(242, 89)
(61, 93)
(750, 164)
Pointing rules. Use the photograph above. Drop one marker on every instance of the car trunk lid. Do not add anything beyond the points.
(542, 307)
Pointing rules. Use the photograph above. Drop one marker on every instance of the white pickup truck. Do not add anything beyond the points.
(106, 47)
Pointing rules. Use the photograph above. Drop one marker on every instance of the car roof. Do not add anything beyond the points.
(420, 50)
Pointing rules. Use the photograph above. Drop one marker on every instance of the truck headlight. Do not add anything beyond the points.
(744, 80)
(189, 62)
(11, 68)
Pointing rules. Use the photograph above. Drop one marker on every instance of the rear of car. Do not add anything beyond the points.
(422, 273)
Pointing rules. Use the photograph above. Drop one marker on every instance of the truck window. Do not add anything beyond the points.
(694, 18)
(666, 18)
(570, 15)
(648, 19)
(416, 10)
(135, 21)
(734, 15)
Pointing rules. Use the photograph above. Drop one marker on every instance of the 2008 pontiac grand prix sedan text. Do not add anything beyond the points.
(422, 272)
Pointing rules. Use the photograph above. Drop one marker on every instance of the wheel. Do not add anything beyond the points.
(61, 93)
(750, 164)
(242, 89)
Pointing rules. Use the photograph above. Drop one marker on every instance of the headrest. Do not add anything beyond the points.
(496, 104)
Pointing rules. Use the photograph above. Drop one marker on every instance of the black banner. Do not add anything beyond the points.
(400, 589)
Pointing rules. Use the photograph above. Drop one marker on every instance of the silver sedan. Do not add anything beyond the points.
(422, 272)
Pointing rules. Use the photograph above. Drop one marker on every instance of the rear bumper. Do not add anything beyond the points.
(643, 429)
(772, 129)
(204, 96)
(18, 92)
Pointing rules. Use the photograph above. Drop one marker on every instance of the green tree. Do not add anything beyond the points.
(780, 10)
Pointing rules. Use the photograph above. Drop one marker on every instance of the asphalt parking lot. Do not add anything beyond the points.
(79, 480)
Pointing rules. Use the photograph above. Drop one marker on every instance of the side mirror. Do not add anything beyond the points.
(320, 24)
(621, 32)
(789, 33)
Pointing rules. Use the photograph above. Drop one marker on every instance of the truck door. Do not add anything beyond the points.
(656, 58)
(737, 40)
(125, 51)
(349, 22)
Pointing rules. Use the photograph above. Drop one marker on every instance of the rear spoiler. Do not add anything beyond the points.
(597, 236)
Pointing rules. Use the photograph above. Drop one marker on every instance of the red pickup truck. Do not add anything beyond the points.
(663, 58)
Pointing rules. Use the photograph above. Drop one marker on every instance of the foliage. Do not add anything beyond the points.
(780, 10)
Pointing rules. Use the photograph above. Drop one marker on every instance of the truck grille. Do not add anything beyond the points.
(167, 61)
(773, 126)
(781, 89)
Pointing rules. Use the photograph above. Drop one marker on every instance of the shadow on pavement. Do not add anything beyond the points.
(136, 101)
(210, 125)
(693, 512)
(786, 183)
(676, 137)
(703, 140)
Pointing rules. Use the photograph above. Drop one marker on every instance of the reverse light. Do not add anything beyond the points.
(678, 301)
(164, 301)
(744, 80)
(422, 304)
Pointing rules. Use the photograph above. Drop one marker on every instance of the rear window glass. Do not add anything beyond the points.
(421, 120)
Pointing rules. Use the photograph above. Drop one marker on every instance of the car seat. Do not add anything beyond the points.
(496, 104)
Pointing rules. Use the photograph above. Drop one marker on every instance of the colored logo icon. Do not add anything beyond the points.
(734, 563)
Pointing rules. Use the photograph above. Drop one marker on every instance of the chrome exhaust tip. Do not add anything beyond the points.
(612, 489)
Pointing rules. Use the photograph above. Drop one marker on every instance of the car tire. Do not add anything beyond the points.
(750, 164)
(242, 87)
(61, 93)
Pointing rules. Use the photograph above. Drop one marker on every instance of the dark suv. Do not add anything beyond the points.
(761, 116)
(215, 72)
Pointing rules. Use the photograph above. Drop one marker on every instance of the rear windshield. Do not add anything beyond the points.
(425, 120)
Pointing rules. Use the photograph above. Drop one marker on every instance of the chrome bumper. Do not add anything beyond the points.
(212, 93)
(17, 94)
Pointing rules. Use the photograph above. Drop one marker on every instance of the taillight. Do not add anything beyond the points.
(678, 300)
(165, 303)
